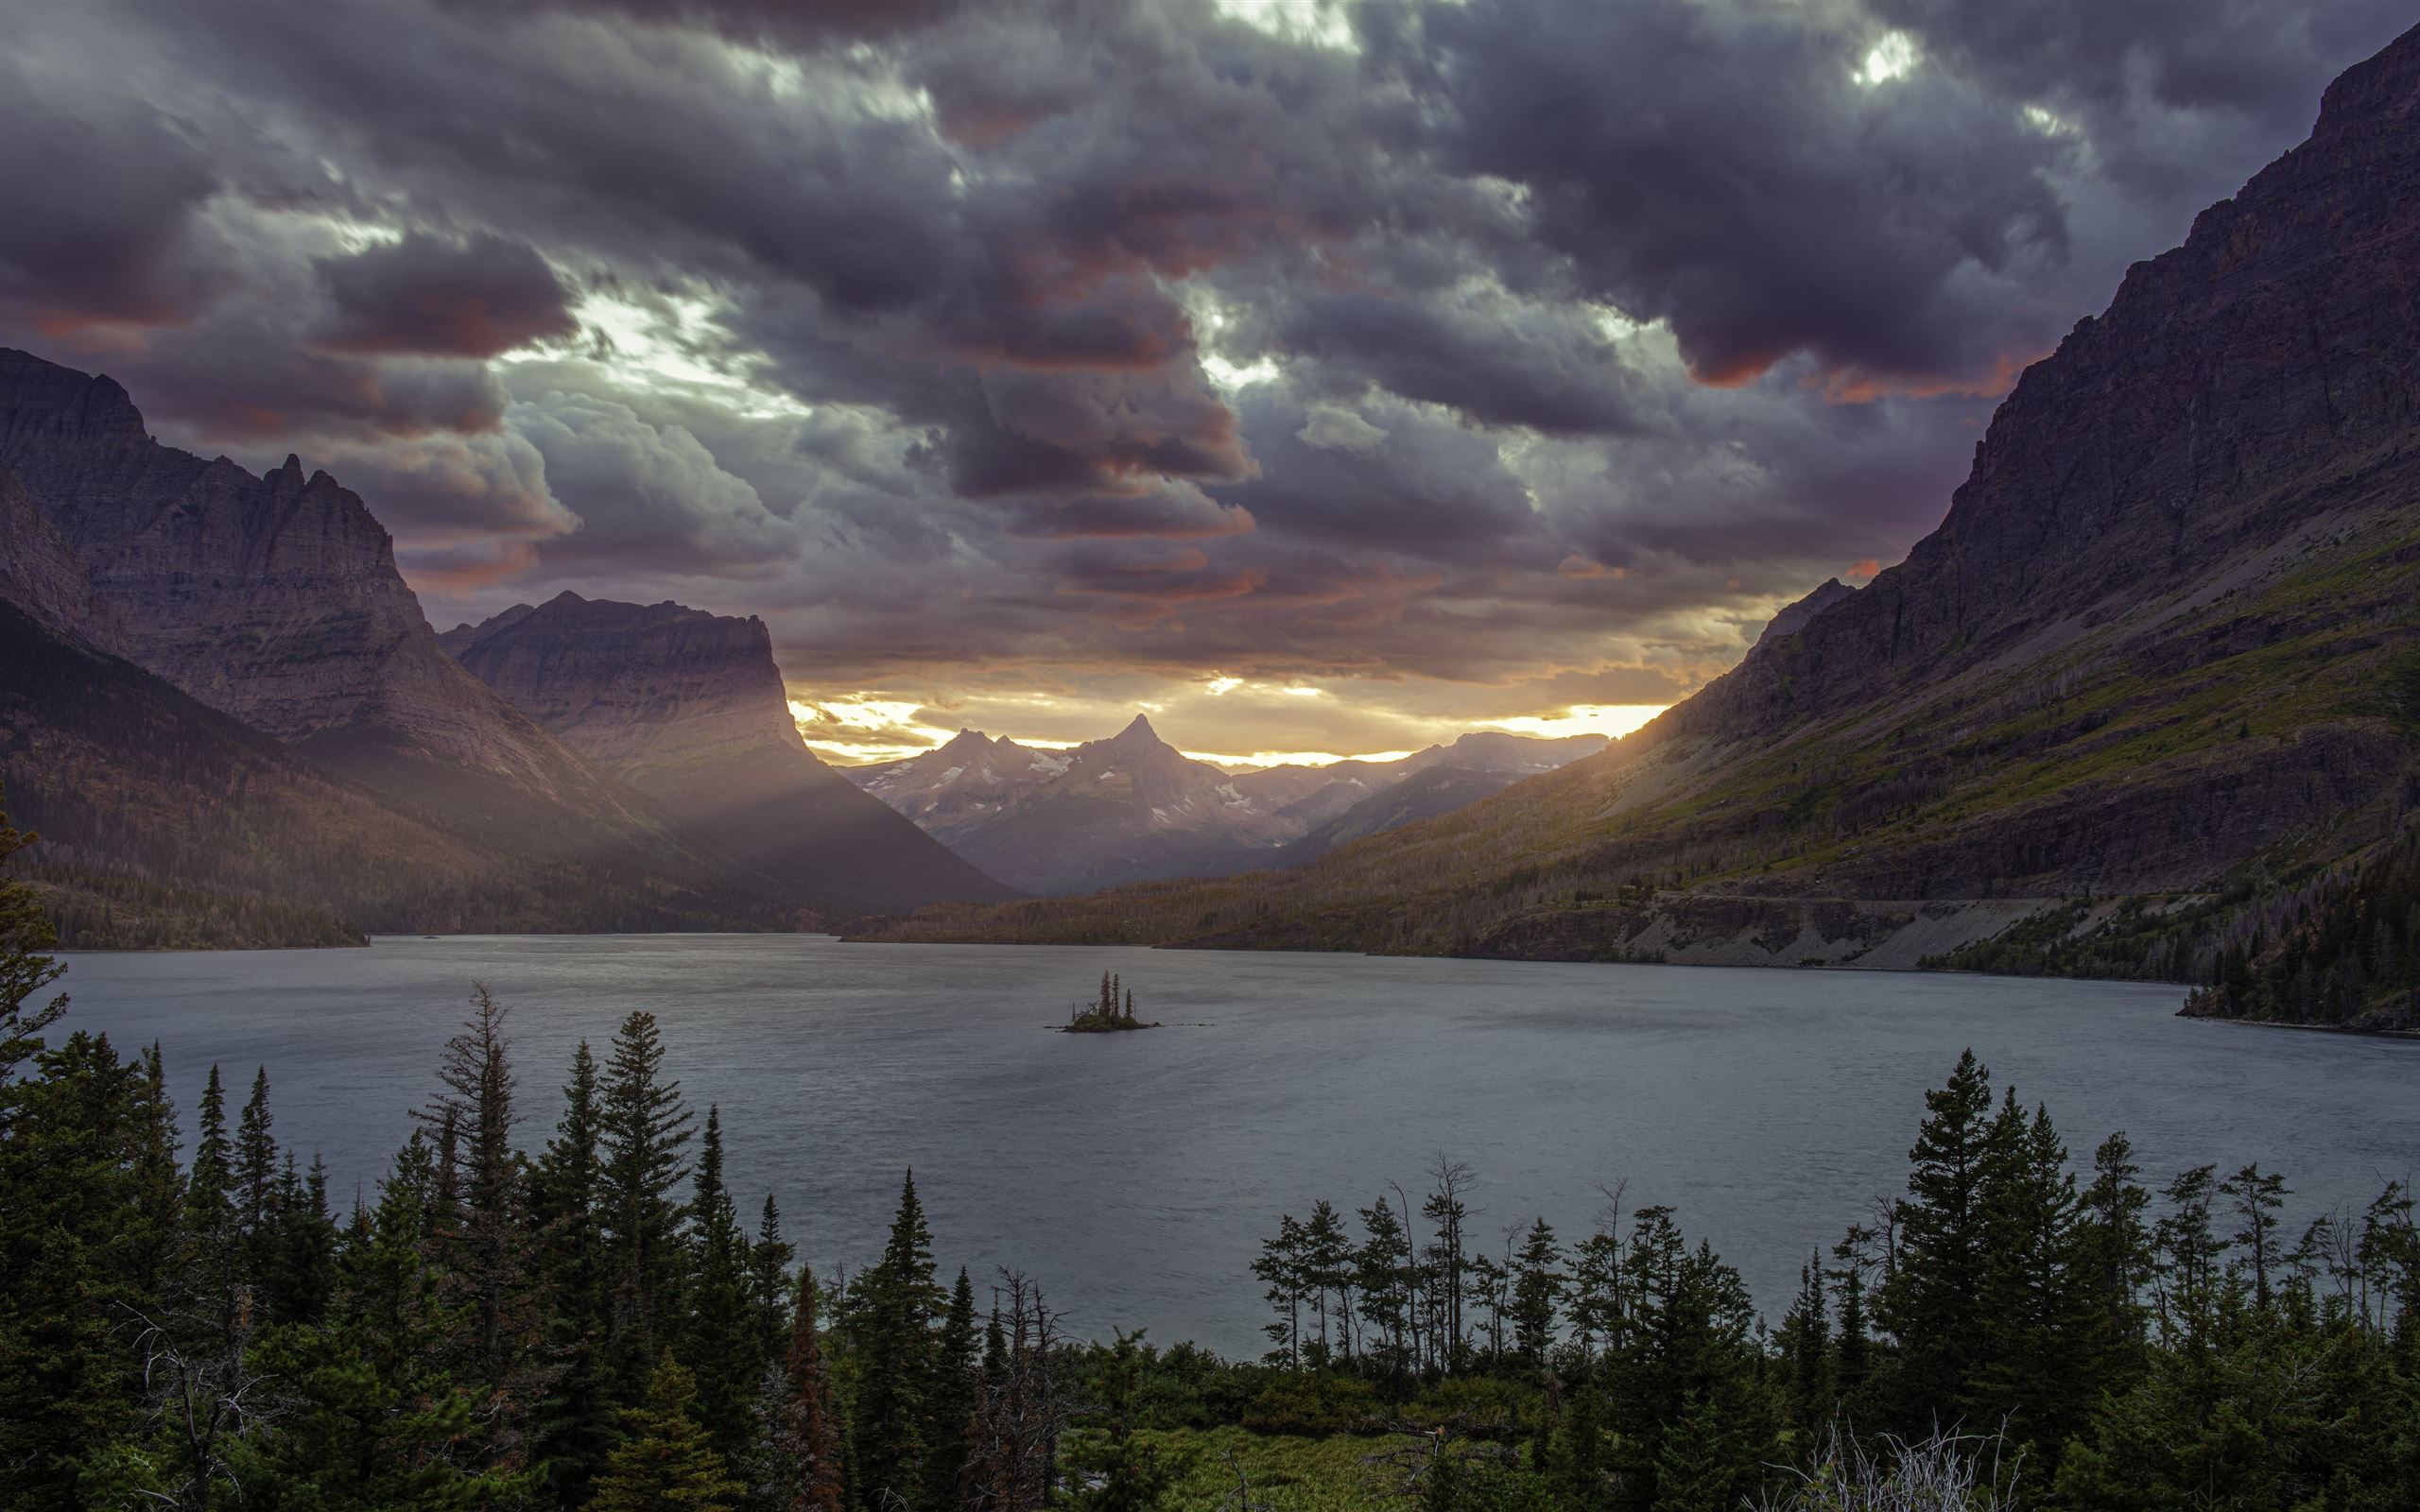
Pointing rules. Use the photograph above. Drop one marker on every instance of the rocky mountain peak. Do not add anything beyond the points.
(1137, 735)
(636, 687)
(1793, 619)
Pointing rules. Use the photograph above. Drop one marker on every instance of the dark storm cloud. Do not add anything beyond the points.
(1109, 339)
(1493, 359)
(101, 202)
(427, 297)
(1722, 167)
(1384, 476)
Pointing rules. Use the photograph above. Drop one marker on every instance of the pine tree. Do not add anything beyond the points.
(725, 1346)
(1327, 1281)
(1691, 1472)
(642, 1129)
(803, 1472)
(2113, 1262)
(2257, 1198)
(574, 1423)
(666, 1462)
(1806, 1340)
(214, 1262)
(768, 1271)
(1122, 1469)
(1929, 1300)
(1537, 1293)
(482, 1177)
(253, 1186)
(957, 1385)
(898, 1304)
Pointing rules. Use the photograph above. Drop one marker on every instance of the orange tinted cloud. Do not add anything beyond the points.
(1577, 565)
(1854, 388)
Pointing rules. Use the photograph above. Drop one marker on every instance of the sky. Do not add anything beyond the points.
(1320, 378)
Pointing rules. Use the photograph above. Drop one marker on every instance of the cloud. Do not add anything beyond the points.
(425, 296)
(644, 492)
(103, 203)
(1467, 360)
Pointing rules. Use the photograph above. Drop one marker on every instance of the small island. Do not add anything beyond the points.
(1113, 1012)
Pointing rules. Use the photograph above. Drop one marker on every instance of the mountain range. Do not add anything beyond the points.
(1134, 808)
(2151, 688)
(231, 723)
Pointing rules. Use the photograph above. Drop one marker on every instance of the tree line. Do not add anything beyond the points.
(2118, 1346)
(566, 1310)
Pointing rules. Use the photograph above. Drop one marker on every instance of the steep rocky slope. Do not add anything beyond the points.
(2163, 647)
(274, 600)
(274, 603)
(689, 709)
(166, 823)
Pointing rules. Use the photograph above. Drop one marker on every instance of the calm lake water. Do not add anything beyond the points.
(1135, 1175)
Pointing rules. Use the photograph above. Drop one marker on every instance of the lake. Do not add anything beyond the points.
(1135, 1175)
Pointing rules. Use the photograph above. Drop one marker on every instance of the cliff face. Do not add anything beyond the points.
(689, 709)
(2205, 414)
(644, 691)
(2161, 647)
(39, 572)
(274, 600)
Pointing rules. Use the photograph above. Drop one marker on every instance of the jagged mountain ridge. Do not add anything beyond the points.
(2154, 650)
(691, 709)
(146, 576)
(1134, 808)
(274, 600)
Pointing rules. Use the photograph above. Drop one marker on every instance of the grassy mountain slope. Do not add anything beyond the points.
(2159, 666)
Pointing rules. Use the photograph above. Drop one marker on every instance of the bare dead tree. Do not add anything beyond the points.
(207, 1396)
(1012, 1463)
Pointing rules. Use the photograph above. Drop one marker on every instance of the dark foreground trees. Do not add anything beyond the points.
(563, 1310)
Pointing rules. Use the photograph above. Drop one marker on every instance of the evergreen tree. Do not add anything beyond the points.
(482, 1177)
(1537, 1293)
(253, 1186)
(897, 1352)
(213, 1259)
(1326, 1276)
(768, 1271)
(1121, 1468)
(666, 1462)
(2256, 1198)
(642, 1128)
(803, 1465)
(2113, 1262)
(1691, 1472)
(574, 1423)
(725, 1345)
(1382, 1283)
(1931, 1297)
(2034, 1354)
(1284, 1265)
(1806, 1355)
(957, 1385)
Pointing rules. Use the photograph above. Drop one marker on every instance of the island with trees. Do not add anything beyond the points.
(1113, 1012)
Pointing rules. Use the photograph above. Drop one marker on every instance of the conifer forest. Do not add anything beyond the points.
(553, 1300)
